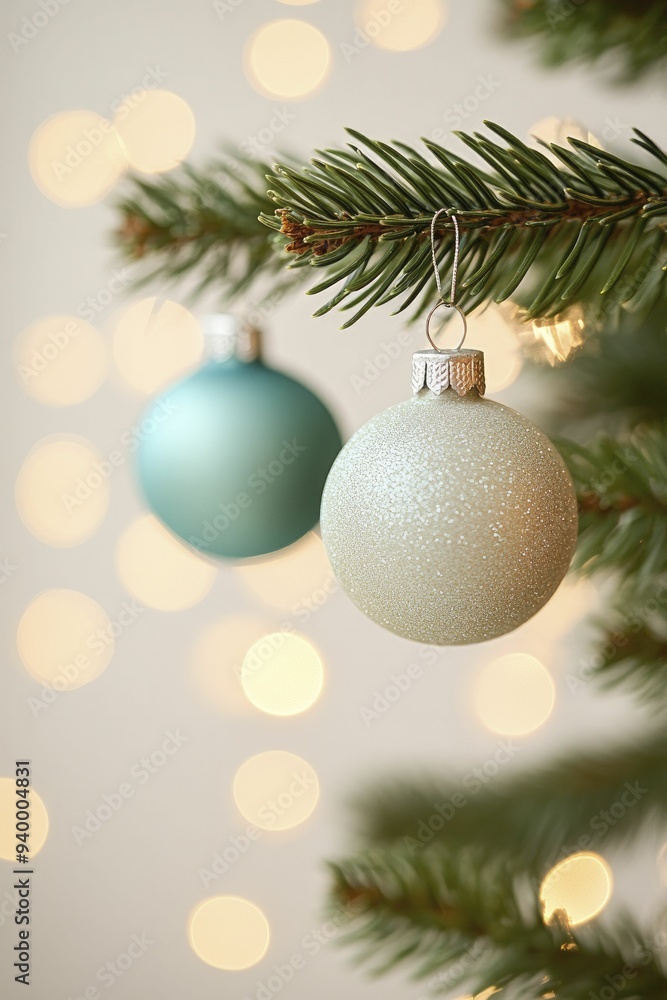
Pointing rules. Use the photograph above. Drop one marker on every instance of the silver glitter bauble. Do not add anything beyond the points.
(448, 518)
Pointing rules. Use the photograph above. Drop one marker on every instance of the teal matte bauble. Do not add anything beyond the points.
(234, 458)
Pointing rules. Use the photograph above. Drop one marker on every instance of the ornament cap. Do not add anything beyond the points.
(461, 370)
(226, 336)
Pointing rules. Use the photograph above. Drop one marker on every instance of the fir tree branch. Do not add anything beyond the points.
(466, 919)
(539, 817)
(202, 223)
(554, 233)
(618, 378)
(633, 651)
(628, 34)
(622, 492)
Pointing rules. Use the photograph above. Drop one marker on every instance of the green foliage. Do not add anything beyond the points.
(622, 491)
(202, 224)
(633, 650)
(464, 918)
(617, 380)
(532, 818)
(627, 35)
(581, 225)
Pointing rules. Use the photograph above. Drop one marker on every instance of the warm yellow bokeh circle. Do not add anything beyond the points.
(215, 662)
(514, 695)
(580, 885)
(155, 342)
(160, 571)
(228, 932)
(76, 158)
(289, 59)
(62, 491)
(157, 129)
(60, 360)
(39, 821)
(65, 639)
(282, 674)
(276, 790)
(398, 26)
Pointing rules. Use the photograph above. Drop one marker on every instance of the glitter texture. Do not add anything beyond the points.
(449, 519)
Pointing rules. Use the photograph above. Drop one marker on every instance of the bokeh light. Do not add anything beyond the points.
(288, 59)
(555, 339)
(580, 885)
(514, 694)
(276, 790)
(413, 25)
(299, 579)
(155, 342)
(39, 821)
(158, 570)
(559, 130)
(62, 491)
(216, 660)
(495, 333)
(282, 674)
(229, 932)
(76, 158)
(65, 639)
(157, 129)
(60, 360)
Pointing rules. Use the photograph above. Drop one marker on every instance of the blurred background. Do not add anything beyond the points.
(145, 752)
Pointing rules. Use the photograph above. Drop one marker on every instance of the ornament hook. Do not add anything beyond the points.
(455, 270)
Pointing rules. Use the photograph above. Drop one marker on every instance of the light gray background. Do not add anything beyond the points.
(140, 873)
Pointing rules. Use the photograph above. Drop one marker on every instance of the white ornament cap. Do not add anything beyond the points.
(460, 370)
(226, 336)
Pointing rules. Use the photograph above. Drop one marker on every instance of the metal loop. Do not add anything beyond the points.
(446, 305)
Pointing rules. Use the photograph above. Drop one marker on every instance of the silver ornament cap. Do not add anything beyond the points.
(226, 336)
(461, 370)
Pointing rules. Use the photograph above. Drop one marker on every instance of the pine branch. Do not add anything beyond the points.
(584, 801)
(633, 651)
(628, 34)
(555, 233)
(622, 491)
(465, 919)
(202, 223)
(618, 378)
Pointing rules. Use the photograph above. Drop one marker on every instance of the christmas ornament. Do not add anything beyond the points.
(449, 518)
(238, 453)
